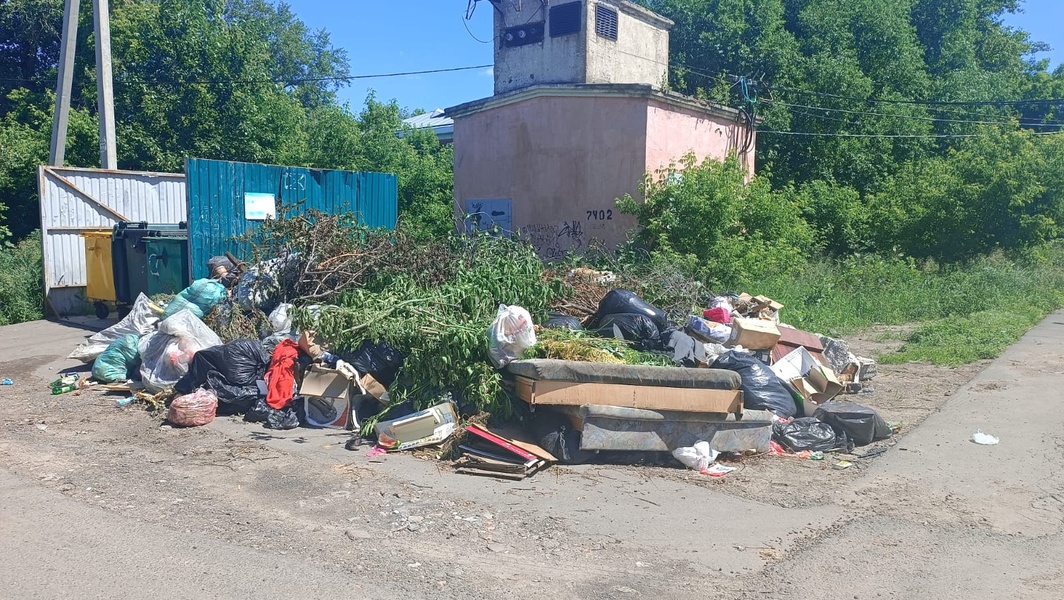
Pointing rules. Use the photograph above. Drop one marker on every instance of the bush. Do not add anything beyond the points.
(22, 281)
(738, 231)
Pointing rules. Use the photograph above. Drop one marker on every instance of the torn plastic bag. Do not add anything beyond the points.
(166, 354)
(379, 360)
(633, 327)
(510, 334)
(200, 298)
(863, 425)
(558, 321)
(193, 410)
(762, 390)
(140, 321)
(259, 287)
(282, 419)
(618, 302)
(804, 433)
(118, 361)
(686, 352)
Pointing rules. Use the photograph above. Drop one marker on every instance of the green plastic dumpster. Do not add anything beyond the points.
(167, 261)
(129, 253)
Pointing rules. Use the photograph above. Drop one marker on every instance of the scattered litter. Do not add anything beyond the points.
(717, 470)
(6, 381)
(124, 402)
(984, 439)
(42, 426)
(697, 457)
(842, 464)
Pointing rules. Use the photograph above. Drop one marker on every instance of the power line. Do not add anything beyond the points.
(909, 117)
(890, 135)
(278, 81)
(925, 102)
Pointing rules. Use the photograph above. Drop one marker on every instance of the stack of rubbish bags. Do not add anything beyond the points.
(170, 351)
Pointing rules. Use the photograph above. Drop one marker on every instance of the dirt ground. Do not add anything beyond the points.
(408, 526)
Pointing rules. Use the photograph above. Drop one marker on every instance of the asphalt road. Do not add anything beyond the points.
(936, 517)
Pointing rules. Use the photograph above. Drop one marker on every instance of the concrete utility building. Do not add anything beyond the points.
(579, 115)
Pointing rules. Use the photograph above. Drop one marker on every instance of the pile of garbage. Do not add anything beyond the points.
(331, 325)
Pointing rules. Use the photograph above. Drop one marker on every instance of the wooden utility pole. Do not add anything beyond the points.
(105, 94)
(101, 19)
(63, 86)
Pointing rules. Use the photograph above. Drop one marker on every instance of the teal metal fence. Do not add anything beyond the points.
(228, 199)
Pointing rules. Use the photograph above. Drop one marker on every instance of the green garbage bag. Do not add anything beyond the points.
(120, 358)
(200, 297)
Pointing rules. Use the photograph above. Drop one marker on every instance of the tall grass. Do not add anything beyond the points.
(967, 312)
(22, 281)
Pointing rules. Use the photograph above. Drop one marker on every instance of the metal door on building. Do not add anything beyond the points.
(227, 200)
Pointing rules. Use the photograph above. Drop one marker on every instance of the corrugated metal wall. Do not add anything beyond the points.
(78, 200)
(216, 201)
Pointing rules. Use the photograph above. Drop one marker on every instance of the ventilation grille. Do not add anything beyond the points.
(565, 18)
(605, 22)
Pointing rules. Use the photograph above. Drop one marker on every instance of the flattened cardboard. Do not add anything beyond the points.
(567, 393)
(373, 387)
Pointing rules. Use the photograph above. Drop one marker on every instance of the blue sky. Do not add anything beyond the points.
(389, 36)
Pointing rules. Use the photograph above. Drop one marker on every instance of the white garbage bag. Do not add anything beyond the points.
(166, 353)
(140, 321)
(510, 334)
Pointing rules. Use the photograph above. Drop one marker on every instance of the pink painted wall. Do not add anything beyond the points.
(563, 161)
(674, 131)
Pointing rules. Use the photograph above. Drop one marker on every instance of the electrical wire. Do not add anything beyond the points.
(912, 117)
(926, 102)
(892, 135)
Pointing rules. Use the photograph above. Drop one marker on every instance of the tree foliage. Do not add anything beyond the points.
(238, 80)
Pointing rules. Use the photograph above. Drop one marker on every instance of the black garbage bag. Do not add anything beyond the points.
(633, 327)
(762, 390)
(231, 371)
(619, 302)
(559, 321)
(379, 360)
(863, 425)
(556, 434)
(805, 433)
(686, 352)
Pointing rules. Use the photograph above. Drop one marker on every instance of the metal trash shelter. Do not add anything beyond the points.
(75, 201)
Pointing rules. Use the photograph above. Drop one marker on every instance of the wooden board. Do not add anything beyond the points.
(567, 393)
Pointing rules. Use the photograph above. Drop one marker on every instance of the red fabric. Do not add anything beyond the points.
(281, 376)
(718, 315)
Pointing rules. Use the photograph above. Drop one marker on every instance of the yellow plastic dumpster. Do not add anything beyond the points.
(99, 274)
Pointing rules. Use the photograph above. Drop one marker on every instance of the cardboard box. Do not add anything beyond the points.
(567, 393)
(430, 426)
(374, 388)
(812, 380)
(754, 334)
(327, 393)
(791, 338)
